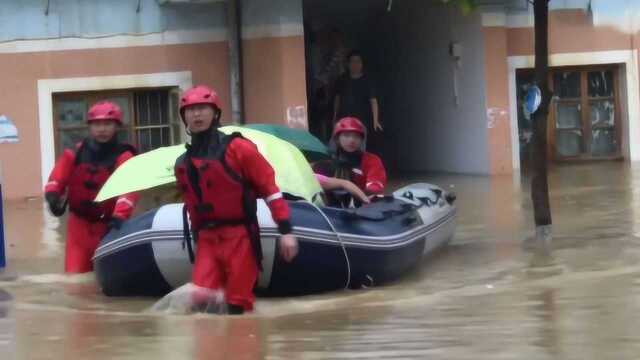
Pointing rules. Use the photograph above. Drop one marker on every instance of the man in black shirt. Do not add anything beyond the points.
(356, 96)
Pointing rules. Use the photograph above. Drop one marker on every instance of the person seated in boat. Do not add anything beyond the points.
(80, 173)
(350, 161)
(220, 178)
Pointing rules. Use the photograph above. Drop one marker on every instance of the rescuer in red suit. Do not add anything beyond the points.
(79, 174)
(221, 177)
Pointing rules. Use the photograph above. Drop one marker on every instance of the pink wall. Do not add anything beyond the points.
(274, 79)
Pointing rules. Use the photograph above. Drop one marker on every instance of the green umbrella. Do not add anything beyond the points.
(155, 168)
(310, 145)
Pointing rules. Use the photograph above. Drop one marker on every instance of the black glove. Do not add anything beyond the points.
(90, 205)
(115, 223)
(56, 206)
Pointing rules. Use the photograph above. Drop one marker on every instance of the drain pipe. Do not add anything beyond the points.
(234, 40)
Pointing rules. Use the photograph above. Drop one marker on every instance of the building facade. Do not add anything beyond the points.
(450, 84)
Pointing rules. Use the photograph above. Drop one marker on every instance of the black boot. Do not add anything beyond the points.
(235, 309)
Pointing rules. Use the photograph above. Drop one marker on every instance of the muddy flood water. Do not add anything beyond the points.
(487, 295)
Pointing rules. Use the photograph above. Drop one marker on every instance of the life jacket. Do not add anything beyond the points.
(91, 170)
(342, 167)
(214, 193)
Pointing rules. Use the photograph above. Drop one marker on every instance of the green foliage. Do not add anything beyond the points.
(465, 6)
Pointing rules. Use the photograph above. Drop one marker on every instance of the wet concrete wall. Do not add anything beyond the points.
(437, 105)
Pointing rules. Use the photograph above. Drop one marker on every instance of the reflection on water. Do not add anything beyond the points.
(486, 296)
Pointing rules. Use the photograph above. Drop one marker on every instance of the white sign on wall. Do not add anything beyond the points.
(297, 117)
(8, 130)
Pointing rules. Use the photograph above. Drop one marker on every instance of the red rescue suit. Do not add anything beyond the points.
(220, 182)
(82, 173)
(370, 176)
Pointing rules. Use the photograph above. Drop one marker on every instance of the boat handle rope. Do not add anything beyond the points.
(186, 231)
(424, 199)
(344, 249)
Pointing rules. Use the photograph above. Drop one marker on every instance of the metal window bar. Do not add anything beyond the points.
(151, 127)
(143, 99)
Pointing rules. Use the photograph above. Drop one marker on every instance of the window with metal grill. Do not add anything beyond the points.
(150, 117)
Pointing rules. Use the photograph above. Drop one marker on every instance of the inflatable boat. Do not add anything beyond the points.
(338, 248)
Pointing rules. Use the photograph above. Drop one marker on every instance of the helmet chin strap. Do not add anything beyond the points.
(215, 123)
(216, 118)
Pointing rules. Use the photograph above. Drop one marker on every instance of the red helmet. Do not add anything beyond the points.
(200, 94)
(105, 110)
(349, 124)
